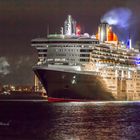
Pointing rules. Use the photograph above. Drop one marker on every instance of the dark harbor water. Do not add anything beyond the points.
(39, 120)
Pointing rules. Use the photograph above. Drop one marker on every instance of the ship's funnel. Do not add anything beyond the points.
(103, 31)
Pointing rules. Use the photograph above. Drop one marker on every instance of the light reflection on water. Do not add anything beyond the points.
(70, 121)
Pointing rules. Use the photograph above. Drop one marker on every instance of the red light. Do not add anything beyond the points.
(78, 30)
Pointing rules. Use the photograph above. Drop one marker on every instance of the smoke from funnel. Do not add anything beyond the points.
(123, 22)
(4, 66)
(120, 17)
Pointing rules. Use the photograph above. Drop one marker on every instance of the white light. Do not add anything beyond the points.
(130, 43)
(122, 73)
(116, 73)
(73, 81)
(74, 76)
(129, 74)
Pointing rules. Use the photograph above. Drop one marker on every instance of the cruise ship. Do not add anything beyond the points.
(74, 66)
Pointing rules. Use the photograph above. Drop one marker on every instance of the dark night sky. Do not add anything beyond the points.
(23, 20)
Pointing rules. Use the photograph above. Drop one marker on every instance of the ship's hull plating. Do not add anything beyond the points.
(73, 85)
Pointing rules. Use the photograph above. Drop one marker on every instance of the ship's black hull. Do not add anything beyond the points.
(73, 85)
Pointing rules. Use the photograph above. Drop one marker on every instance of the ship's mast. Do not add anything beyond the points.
(69, 26)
